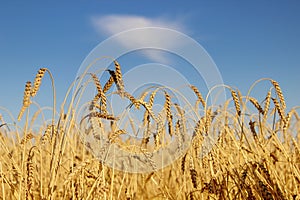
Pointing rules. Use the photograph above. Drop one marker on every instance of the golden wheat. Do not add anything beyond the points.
(119, 79)
(167, 106)
(267, 104)
(256, 104)
(198, 94)
(37, 81)
(193, 173)
(108, 84)
(279, 93)
(30, 174)
(236, 102)
(26, 99)
(279, 109)
(262, 164)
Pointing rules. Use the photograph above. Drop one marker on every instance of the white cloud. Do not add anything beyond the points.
(113, 24)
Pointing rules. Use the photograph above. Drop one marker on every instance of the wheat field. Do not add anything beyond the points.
(256, 154)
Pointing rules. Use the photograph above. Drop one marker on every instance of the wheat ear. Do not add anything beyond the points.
(37, 81)
(167, 106)
(132, 99)
(47, 135)
(279, 93)
(267, 104)
(100, 94)
(151, 98)
(26, 138)
(103, 116)
(208, 119)
(198, 94)
(252, 128)
(236, 102)
(115, 135)
(108, 84)
(279, 110)
(26, 99)
(146, 120)
(120, 83)
(256, 105)
(193, 173)
(287, 121)
(30, 176)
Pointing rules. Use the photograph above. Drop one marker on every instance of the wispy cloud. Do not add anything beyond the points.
(113, 24)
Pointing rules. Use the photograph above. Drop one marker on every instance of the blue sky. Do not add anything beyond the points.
(247, 40)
